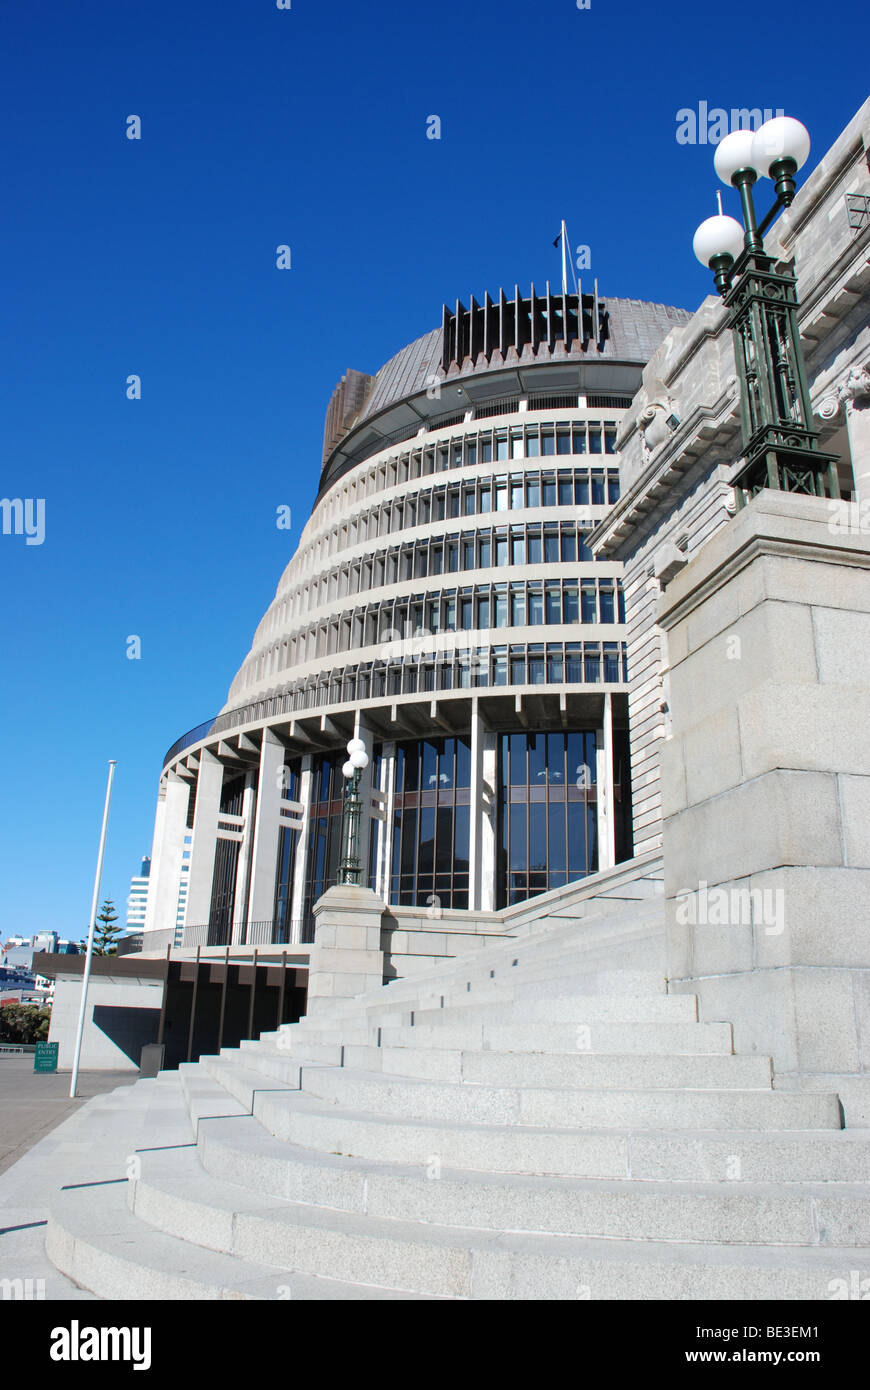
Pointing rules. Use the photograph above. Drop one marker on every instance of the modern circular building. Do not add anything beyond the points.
(444, 605)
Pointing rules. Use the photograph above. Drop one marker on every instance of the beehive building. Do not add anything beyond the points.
(444, 604)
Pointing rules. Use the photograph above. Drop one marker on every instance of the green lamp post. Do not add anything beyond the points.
(780, 445)
(357, 761)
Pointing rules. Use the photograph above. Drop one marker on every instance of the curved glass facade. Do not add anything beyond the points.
(431, 825)
(547, 812)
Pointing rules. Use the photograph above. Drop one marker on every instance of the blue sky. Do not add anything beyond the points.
(263, 127)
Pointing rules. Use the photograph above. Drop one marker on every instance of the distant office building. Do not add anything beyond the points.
(137, 902)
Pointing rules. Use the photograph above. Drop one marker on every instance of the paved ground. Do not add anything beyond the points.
(32, 1105)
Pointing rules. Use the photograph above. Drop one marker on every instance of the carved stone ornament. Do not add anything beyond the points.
(855, 390)
(654, 427)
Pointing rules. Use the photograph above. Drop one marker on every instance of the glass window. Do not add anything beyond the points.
(571, 603)
(549, 489)
(536, 604)
(468, 553)
(612, 486)
(501, 607)
(548, 442)
(470, 451)
(581, 488)
(501, 495)
(578, 437)
(533, 443)
(563, 441)
(486, 449)
(587, 601)
(606, 603)
(518, 547)
(537, 673)
(554, 603)
(518, 605)
(466, 614)
(499, 666)
(594, 439)
(535, 546)
(597, 488)
(554, 665)
(516, 444)
(485, 551)
(468, 501)
(566, 490)
(551, 546)
(533, 490)
(609, 439)
(501, 451)
(450, 615)
(485, 497)
(501, 549)
(573, 662)
(483, 611)
(516, 492)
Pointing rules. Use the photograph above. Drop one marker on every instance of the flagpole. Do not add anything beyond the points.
(86, 974)
(564, 258)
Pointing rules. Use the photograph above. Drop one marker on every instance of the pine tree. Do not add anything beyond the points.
(106, 933)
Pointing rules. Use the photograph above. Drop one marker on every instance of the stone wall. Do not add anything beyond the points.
(766, 787)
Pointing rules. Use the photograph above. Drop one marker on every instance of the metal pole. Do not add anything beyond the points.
(564, 259)
(89, 954)
(193, 1006)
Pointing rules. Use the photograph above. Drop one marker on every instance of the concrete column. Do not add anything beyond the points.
(488, 820)
(385, 827)
(346, 959)
(243, 867)
(202, 849)
(476, 809)
(606, 794)
(264, 857)
(300, 871)
(167, 853)
(858, 429)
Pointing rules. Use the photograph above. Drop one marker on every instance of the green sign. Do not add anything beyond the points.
(45, 1057)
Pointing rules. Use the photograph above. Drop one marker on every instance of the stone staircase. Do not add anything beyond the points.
(540, 1119)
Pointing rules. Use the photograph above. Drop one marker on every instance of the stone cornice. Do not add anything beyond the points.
(773, 523)
(707, 425)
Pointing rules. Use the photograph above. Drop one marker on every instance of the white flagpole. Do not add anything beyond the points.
(564, 258)
(86, 975)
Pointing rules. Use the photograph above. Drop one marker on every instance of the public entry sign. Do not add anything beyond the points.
(45, 1056)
